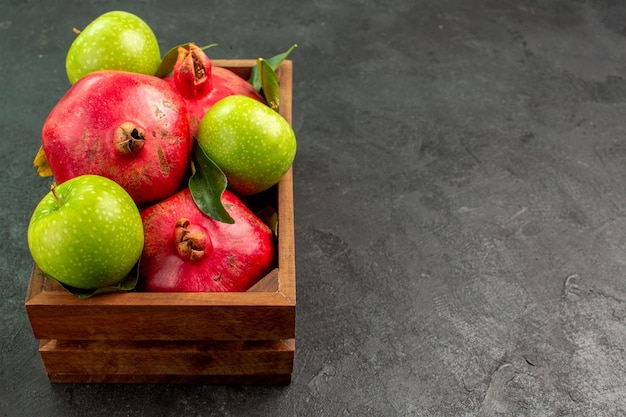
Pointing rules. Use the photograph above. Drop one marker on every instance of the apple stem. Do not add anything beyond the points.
(76, 31)
(53, 189)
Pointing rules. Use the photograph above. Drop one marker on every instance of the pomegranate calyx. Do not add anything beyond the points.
(192, 72)
(191, 242)
(129, 138)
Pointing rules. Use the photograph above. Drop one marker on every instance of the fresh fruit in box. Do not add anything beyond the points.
(130, 119)
(187, 251)
(131, 128)
(253, 144)
(201, 85)
(86, 233)
(116, 40)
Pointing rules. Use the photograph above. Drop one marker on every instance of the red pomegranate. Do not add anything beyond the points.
(187, 251)
(201, 84)
(131, 128)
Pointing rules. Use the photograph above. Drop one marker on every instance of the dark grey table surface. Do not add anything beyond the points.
(460, 205)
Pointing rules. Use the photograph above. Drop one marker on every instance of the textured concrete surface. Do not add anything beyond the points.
(460, 205)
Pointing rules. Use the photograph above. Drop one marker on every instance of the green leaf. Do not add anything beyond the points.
(169, 60)
(128, 283)
(205, 47)
(207, 184)
(269, 84)
(273, 62)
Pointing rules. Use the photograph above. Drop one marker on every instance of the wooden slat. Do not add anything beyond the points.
(183, 317)
(272, 379)
(286, 250)
(181, 358)
(241, 67)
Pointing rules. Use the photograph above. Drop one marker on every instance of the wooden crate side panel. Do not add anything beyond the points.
(287, 250)
(271, 379)
(161, 322)
(286, 254)
(241, 67)
(166, 358)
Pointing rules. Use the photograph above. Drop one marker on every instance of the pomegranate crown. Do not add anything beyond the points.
(192, 72)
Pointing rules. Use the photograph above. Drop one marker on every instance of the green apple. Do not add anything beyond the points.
(115, 40)
(86, 233)
(253, 144)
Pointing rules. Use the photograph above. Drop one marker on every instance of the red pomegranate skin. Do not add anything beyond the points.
(201, 84)
(187, 251)
(90, 131)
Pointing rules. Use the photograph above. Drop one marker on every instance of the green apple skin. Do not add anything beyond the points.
(89, 236)
(116, 40)
(253, 144)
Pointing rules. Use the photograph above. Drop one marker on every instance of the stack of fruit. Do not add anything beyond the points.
(152, 159)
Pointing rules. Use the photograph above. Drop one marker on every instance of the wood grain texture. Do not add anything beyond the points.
(257, 315)
(270, 379)
(166, 358)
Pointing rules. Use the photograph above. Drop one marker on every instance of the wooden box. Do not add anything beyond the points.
(208, 338)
